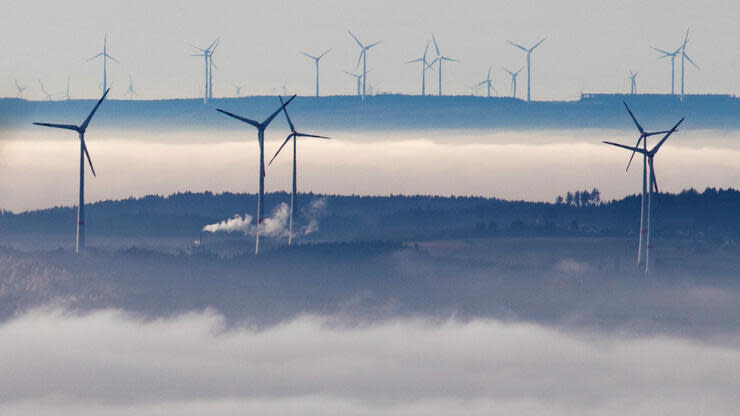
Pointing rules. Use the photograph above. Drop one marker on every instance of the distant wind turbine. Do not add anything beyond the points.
(529, 64)
(684, 58)
(105, 56)
(633, 82)
(20, 89)
(316, 60)
(80, 239)
(206, 54)
(237, 89)
(363, 59)
(49, 96)
(261, 127)
(513, 75)
(672, 55)
(131, 92)
(488, 82)
(440, 59)
(67, 97)
(424, 67)
(653, 183)
(641, 139)
(293, 135)
(358, 77)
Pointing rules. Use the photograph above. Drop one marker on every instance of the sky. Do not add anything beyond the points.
(591, 45)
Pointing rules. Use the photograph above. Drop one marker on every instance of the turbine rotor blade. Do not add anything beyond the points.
(692, 62)
(59, 126)
(311, 135)
(536, 45)
(100, 54)
(83, 127)
(272, 116)
(322, 55)
(636, 149)
(652, 175)
(84, 147)
(112, 58)
(287, 139)
(285, 110)
(639, 127)
(518, 46)
(632, 156)
(246, 120)
(660, 143)
(312, 57)
(436, 47)
(356, 40)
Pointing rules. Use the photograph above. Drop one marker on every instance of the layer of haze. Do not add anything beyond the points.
(110, 363)
(40, 166)
(591, 45)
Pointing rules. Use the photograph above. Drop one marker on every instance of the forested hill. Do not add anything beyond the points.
(709, 215)
(390, 112)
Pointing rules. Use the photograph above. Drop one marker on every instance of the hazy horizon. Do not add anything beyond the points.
(590, 47)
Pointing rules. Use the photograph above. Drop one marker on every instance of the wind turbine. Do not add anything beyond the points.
(358, 77)
(363, 59)
(424, 66)
(237, 89)
(105, 56)
(293, 135)
(514, 75)
(261, 127)
(684, 58)
(67, 97)
(131, 92)
(649, 155)
(210, 70)
(439, 59)
(633, 82)
(206, 54)
(488, 82)
(80, 239)
(642, 138)
(529, 64)
(49, 96)
(316, 60)
(20, 89)
(672, 55)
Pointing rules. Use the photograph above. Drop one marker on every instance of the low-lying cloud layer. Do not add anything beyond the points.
(109, 363)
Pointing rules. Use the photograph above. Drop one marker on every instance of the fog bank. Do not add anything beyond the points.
(111, 363)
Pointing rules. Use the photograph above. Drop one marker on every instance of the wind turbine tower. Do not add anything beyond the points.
(488, 82)
(440, 59)
(653, 182)
(293, 135)
(261, 127)
(316, 60)
(529, 64)
(424, 67)
(633, 82)
(105, 56)
(513, 75)
(363, 58)
(80, 239)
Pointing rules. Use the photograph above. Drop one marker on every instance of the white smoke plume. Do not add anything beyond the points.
(275, 225)
(109, 363)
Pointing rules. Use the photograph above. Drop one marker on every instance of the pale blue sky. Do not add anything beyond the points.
(591, 45)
